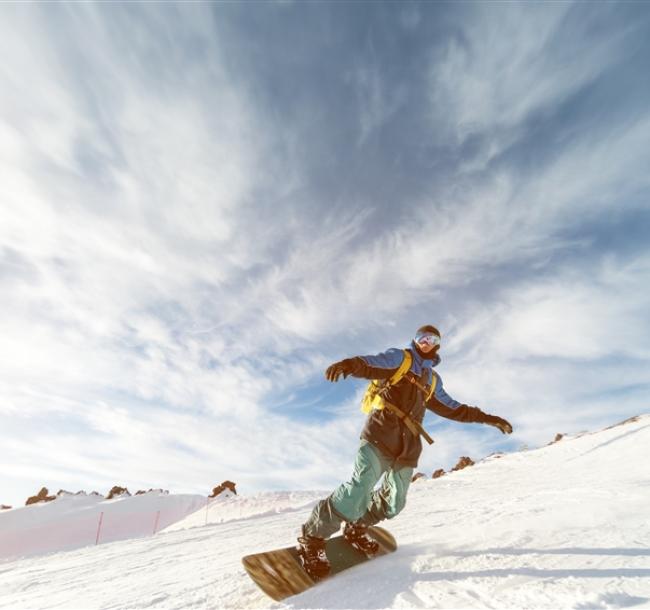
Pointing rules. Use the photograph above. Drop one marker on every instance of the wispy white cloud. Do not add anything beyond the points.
(497, 221)
(565, 347)
(173, 281)
(376, 101)
(509, 62)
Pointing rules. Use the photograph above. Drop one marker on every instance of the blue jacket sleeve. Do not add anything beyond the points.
(443, 397)
(444, 405)
(379, 366)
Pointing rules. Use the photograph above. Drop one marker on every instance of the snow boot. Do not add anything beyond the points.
(312, 555)
(357, 536)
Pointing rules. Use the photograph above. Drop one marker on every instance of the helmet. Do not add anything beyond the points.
(426, 329)
(428, 334)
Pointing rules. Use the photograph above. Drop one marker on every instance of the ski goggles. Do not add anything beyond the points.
(427, 338)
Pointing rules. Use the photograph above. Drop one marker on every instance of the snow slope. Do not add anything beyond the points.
(234, 508)
(74, 521)
(563, 526)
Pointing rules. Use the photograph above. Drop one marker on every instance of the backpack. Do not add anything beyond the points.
(377, 388)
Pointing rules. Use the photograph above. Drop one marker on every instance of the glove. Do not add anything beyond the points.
(344, 367)
(498, 422)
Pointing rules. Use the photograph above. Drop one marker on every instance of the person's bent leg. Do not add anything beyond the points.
(389, 500)
(350, 500)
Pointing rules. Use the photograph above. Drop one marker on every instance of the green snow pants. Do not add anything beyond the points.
(357, 500)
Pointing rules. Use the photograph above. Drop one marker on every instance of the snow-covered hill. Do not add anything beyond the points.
(234, 508)
(74, 521)
(563, 526)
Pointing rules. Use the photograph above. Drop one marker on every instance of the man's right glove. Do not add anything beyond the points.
(344, 367)
(498, 422)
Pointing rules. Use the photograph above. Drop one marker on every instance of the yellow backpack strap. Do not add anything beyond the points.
(434, 383)
(428, 391)
(373, 398)
(402, 369)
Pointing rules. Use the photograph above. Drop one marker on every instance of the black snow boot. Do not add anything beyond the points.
(312, 555)
(357, 535)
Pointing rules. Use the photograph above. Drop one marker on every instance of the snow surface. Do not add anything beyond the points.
(563, 526)
(234, 508)
(73, 521)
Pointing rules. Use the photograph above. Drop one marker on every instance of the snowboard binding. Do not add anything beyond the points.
(358, 537)
(311, 551)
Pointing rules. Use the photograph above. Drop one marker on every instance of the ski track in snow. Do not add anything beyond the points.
(563, 526)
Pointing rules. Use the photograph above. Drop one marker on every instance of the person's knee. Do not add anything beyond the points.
(351, 499)
(397, 490)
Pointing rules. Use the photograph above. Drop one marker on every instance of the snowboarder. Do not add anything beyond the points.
(390, 444)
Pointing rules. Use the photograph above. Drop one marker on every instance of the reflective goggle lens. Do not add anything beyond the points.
(428, 339)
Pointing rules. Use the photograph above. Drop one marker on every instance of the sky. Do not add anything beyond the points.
(203, 205)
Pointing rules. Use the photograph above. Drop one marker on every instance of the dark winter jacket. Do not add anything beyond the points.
(383, 428)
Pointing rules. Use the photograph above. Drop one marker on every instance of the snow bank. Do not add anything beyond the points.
(73, 521)
(234, 508)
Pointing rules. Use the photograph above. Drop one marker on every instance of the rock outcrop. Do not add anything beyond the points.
(438, 473)
(225, 486)
(463, 462)
(418, 475)
(63, 492)
(5, 507)
(41, 496)
(117, 491)
(629, 420)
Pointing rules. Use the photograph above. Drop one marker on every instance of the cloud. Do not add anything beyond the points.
(509, 62)
(376, 104)
(122, 195)
(187, 240)
(567, 346)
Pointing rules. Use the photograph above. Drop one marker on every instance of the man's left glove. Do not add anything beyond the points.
(498, 422)
(344, 367)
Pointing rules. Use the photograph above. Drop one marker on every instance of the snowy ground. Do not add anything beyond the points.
(74, 521)
(564, 526)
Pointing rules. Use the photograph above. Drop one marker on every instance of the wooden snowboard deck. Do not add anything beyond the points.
(280, 574)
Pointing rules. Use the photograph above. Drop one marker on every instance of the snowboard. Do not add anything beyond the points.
(280, 574)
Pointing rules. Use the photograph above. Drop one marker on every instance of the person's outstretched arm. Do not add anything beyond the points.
(444, 405)
(380, 366)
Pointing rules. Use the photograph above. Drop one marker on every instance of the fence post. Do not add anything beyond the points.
(155, 527)
(99, 527)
